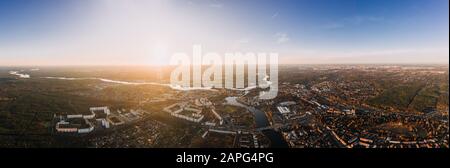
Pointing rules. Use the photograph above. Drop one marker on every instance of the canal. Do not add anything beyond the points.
(276, 139)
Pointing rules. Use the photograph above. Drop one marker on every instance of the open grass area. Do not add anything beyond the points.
(398, 96)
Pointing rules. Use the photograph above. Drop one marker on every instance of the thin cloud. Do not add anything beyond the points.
(240, 42)
(215, 4)
(352, 21)
(275, 15)
(281, 38)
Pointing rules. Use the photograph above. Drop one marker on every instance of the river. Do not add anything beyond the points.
(276, 139)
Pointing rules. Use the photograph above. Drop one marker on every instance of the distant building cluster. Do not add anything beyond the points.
(185, 112)
(79, 123)
(194, 111)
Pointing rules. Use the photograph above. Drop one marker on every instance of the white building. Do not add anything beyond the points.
(66, 125)
(217, 116)
(61, 127)
(283, 110)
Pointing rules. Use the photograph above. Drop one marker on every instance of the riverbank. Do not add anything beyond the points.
(276, 139)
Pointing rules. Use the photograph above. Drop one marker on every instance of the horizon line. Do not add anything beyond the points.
(149, 65)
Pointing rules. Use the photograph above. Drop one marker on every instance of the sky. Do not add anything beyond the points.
(148, 32)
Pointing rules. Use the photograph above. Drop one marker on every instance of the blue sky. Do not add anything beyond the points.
(52, 32)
